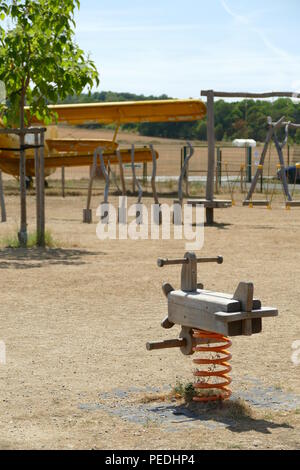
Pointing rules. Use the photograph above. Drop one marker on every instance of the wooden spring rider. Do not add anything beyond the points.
(207, 319)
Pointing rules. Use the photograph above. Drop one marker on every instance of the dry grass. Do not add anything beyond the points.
(156, 397)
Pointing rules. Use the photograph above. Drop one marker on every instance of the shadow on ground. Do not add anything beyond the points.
(217, 415)
(218, 225)
(20, 258)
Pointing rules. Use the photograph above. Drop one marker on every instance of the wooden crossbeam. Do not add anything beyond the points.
(272, 94)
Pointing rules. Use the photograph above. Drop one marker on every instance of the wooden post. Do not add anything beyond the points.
(2, 200)
(63, 181)
(22, 235)
(41, 234)
(211, 156)
(249, 164)
(37, 184)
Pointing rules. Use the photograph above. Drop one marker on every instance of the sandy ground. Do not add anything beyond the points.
(75, 321)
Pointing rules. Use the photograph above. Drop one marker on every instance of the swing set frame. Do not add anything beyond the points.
(272, 136)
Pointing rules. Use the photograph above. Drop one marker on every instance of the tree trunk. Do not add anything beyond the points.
(23, 228)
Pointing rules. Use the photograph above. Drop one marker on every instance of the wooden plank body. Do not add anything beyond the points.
(214, 311)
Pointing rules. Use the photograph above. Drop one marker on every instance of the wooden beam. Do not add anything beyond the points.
(211, 146)
(224, 94)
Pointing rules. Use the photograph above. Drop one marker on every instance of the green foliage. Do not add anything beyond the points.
(297, 136)
(242, 119)
(39, 59)
(14, 242)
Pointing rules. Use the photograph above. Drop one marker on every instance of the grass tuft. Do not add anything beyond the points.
(184, 391)
(12, 241)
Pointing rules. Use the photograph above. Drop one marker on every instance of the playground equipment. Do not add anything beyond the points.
(104, 161)
(136, 155)
(271, 135)
(207, 319)
(79, 152)
(211, 203)
(183, 176)
(12, 154)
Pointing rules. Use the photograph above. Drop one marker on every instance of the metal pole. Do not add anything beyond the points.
(145, 172)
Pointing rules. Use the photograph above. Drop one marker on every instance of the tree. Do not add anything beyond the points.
(219, 132)
(297, 136)
(201, 130)
(39, 62)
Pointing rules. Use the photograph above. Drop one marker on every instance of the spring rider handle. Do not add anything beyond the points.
(189, 268)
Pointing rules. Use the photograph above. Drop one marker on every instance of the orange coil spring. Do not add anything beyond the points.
(212, 383)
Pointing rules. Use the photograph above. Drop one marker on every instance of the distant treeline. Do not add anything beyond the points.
(233, 120)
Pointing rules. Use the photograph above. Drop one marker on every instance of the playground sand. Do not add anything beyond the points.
(75, 321)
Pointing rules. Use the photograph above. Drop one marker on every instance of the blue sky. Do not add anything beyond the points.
(180, 47)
